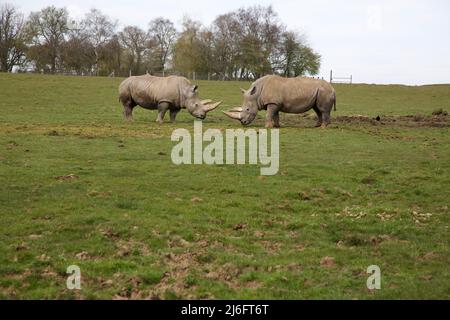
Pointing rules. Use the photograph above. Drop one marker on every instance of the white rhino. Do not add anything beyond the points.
(171, 93)
(291, 95)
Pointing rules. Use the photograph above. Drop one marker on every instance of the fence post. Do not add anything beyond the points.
(331, 76)
(130, 72)
(193, 75)
(351, 79)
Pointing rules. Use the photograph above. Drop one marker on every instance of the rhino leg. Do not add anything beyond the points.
(173, 114)
(272, 116)
(276, 120)
(319, 117)
(162, 109)
(128, 106)
(326, 119)
(324, 104)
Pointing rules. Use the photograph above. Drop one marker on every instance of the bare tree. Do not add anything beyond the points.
(134, 40)
(225, 29)
(12, 38)
(48, 28)
(78, 52)
(113, 55)
(99, 29)
(260, 33)
(163, 34)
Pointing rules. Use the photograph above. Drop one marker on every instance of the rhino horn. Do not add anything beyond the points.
(210, 107)
(233, 114)
(207, 101)
(236, 109)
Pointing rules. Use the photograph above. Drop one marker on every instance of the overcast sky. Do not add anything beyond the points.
(397, 41)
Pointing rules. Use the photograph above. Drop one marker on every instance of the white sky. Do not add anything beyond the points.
(397, 41)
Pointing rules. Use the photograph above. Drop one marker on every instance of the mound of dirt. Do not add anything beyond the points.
(440, 112)
(419, 120)
(439, 119)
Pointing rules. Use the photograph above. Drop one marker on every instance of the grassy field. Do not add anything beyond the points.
(80, 186)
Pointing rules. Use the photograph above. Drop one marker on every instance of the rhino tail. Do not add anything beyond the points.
(334, 101)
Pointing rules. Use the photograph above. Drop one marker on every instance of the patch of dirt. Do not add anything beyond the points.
(43, 257)
(413, 121)
(178, 242)
(130, 290)
(109, 233)
(344, 192)
(376, 240)
(194, 257)
(239, 226)
(90, 131)
(49, 273)
(34, 236)
(103, 194)
(427, 277)
(259, 234)
(70, 176)
(179, 266)
(196, 200)
(229, 274)
(223, 246)
(384, 216)
(271, 247)
(84, 255)
(353, 212)
(11, 145)
(53, 133)
(429, 256)
(327, 262)
(440, 112)
(315, 195)
(421, 218)
(353, 240)
(439, 119)
(22, 246)
(290, 267)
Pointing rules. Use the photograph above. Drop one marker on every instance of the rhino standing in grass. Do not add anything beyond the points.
(163, 93)
(290, 95)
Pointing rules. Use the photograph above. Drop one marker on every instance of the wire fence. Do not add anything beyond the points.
(190, 75)
(347, 80)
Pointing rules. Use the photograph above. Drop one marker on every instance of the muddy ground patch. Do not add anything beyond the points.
(405, 121)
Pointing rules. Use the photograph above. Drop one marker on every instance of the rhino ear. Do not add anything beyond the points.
(243, 91)
(253, 91)
(194, 88)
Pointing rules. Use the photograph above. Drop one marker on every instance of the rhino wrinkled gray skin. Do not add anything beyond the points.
(290, 95)
(165, 94)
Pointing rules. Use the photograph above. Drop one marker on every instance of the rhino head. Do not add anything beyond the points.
(196, 107)
(247, 113)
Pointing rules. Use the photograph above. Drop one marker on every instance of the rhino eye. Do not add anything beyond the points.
(196, 104)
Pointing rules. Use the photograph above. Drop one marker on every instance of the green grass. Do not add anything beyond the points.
(360, 192)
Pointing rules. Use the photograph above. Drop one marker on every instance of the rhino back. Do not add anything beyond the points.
(147, 91)
(293, 94)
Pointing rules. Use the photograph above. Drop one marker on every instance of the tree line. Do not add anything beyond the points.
(243, 44)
